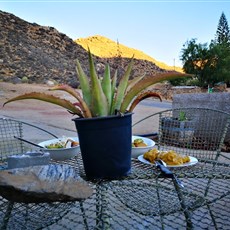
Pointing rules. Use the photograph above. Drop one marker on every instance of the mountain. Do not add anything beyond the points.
(42, 53)
(37, 52)
(105, 48)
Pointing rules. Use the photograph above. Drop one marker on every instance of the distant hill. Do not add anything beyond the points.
(41, 53)
(107, 48)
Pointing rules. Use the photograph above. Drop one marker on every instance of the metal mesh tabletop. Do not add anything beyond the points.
(142, 200)
(146, 200)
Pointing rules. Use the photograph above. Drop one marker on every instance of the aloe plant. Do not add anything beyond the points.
(182, 116)
(103, 97)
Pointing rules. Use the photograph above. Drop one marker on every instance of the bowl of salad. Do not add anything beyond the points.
(140, 145)
(61, 149)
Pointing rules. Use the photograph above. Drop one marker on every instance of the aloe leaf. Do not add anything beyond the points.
(48, 98)
(133, 82)
(147, 81)
(106, 85)
(82, 104)
(143, 96)
(122, 88)
(84, 83)
(113, 90)
(99, 105)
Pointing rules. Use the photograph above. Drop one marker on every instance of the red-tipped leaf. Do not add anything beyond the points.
(82, 105)
(48, 98)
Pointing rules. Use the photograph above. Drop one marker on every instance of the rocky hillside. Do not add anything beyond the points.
(37, 54)
(104, 47)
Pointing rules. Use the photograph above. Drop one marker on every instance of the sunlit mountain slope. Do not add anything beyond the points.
(107, 48)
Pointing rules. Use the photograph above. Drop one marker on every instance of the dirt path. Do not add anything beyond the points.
(34, 111)
(47, 115)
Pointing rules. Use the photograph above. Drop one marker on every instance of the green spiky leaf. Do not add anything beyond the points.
(84, 83)
(99, 105)
(122, 88)
(146, 82)
(133, 82)
(106, 85)
(113, 91)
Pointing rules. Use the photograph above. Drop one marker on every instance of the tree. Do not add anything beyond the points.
(221, 47)
(221, 70)
(209, 63)
(196, 60)
(222, 33)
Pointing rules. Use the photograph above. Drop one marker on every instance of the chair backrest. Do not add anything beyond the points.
(9, 128)
(8, 144)
(197, 132)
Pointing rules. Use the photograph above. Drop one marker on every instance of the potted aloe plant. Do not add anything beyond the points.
(104, 115)
(179, 128)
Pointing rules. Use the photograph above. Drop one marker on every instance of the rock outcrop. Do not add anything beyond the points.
(38, 54)
(47, 183)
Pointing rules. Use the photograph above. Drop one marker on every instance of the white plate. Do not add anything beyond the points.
(192, 161)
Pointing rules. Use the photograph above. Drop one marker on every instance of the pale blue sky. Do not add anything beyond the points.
(158, 28)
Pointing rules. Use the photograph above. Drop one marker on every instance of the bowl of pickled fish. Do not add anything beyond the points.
(140, 145)
(61, 149)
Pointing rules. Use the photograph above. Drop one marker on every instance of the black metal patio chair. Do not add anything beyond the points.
(15, 215)
(196, 132)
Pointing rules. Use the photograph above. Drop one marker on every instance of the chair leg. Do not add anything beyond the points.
(7, 215)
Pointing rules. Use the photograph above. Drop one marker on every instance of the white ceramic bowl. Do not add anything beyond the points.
(62, 153)
(137, 151)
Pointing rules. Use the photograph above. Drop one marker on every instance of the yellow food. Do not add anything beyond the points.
(169, 157)
(62, 144)
(151, 155)
(73, 143)
(138, 143)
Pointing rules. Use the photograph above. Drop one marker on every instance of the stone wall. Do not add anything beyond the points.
(219, 101)
(167, 91)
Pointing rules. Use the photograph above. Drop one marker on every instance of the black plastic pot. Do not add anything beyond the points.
(105, 144)
(177, 131)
